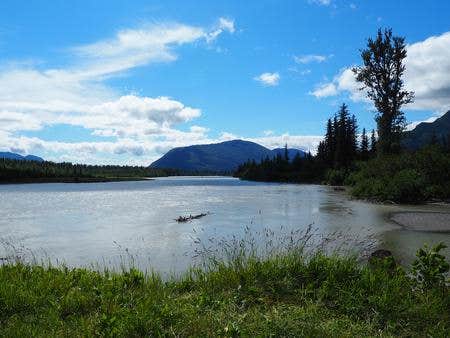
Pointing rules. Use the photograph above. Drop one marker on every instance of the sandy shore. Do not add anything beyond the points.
(423, 221)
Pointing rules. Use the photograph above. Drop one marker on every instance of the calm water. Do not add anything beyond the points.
(105, 223)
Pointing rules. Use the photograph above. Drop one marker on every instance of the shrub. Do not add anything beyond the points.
(430, 267)
(404, 178)
(336, 176)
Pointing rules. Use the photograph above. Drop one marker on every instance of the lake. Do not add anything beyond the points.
(107, 224)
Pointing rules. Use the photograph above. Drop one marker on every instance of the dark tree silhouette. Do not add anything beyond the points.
(20, 170)
(381, 76)
(364, 149)
(373, 142)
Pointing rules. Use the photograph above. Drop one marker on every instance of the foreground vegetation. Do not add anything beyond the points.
(287, 294)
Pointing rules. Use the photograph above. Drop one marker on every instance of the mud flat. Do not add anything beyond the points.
(423, 220)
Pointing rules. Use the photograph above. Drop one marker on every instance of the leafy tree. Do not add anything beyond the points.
(381, 76)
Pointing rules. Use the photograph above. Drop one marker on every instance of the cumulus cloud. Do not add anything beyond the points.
(303, 59)
(268, 79)
(324, 90)
(427, 68)
(32, 98)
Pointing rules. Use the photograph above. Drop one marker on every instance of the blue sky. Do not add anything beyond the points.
(125, 81)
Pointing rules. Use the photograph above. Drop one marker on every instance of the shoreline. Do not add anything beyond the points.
(73, 180)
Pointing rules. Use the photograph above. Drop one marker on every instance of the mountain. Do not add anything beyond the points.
(292, 152)
(424, 132)
(14, 156)
(217, 157)
(33, 158)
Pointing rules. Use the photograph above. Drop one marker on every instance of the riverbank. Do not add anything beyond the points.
(285, 295)
(72, 180)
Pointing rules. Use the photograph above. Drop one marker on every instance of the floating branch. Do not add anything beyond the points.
(183, 219)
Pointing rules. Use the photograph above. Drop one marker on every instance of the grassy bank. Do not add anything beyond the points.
(284, 295)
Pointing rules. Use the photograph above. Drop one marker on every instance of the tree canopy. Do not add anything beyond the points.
(381, 77)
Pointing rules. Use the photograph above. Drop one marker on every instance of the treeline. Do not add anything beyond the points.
(339, 150)
(21, 170)
(340, 147)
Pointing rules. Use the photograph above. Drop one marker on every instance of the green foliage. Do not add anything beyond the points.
(336, 176)
(281, 169)
(409, 177)
(339, 148)
(288, 294)
(381, 76)
(430, 267)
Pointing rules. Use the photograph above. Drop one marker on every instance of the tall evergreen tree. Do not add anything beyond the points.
(329, 143)
(364, 149)
(381, 76)
(352, 139)
(373, 142)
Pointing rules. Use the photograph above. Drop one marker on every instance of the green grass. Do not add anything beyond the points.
(286, 294)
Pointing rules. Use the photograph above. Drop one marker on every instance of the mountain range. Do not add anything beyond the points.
(14, 156)
(424, 132)
(218, 157)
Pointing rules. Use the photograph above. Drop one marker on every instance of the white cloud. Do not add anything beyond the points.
(268, 79)
(303, 59)
(304, 142)
(135, 47)
(427, 73)
(102, 152)
(320, 2)
(33, 98)
(427, 68)
(224, 25)
(324, 90)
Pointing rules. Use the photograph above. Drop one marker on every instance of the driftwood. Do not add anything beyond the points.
(184, 219)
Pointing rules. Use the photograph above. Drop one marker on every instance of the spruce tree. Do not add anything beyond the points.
(373, 142)
(364, 145)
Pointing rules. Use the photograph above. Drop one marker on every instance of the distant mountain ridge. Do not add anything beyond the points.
(218, 157)
(424, 132)
(14, 156)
